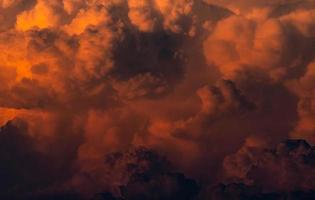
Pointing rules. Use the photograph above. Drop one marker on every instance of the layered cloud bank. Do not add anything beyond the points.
(157, 99)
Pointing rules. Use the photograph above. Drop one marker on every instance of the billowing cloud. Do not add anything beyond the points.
(211, 85)
(287, 167)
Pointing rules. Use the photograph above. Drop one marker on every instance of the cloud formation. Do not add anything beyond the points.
(212, 85)
(287, 167)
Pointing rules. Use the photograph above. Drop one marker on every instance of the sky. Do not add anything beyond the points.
(157, 99)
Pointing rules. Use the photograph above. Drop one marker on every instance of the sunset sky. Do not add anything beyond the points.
(157, 99)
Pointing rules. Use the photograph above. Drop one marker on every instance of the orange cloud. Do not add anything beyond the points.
(190, 79)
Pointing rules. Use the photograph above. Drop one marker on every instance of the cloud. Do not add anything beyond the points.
(303, 89)
(287, 167)
(225, 97)
(45, 14)
(19, 157)
(189, 79)
(147, 174)
(143, 15)
(241, 191)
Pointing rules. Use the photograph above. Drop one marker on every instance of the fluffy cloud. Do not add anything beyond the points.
(190, 79)
(304, 89)
(45, 14)
(142, 15)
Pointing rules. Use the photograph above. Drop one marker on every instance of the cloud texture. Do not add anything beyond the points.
(157, 99)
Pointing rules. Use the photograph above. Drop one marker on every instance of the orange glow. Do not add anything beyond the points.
(170, 96)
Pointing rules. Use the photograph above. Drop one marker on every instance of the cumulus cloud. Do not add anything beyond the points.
(45, 14)
(139, 173)
(145, 173)
(239, 44)
(287, 167)
(190, 79)
(225, 97)
(304, 89)
(142, 15)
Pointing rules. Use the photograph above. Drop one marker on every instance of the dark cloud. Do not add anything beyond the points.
(288, 167)
(22, 166)
(157, 56)
(149, 176)
(243, 192)
(261, 172)
(27, 171)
